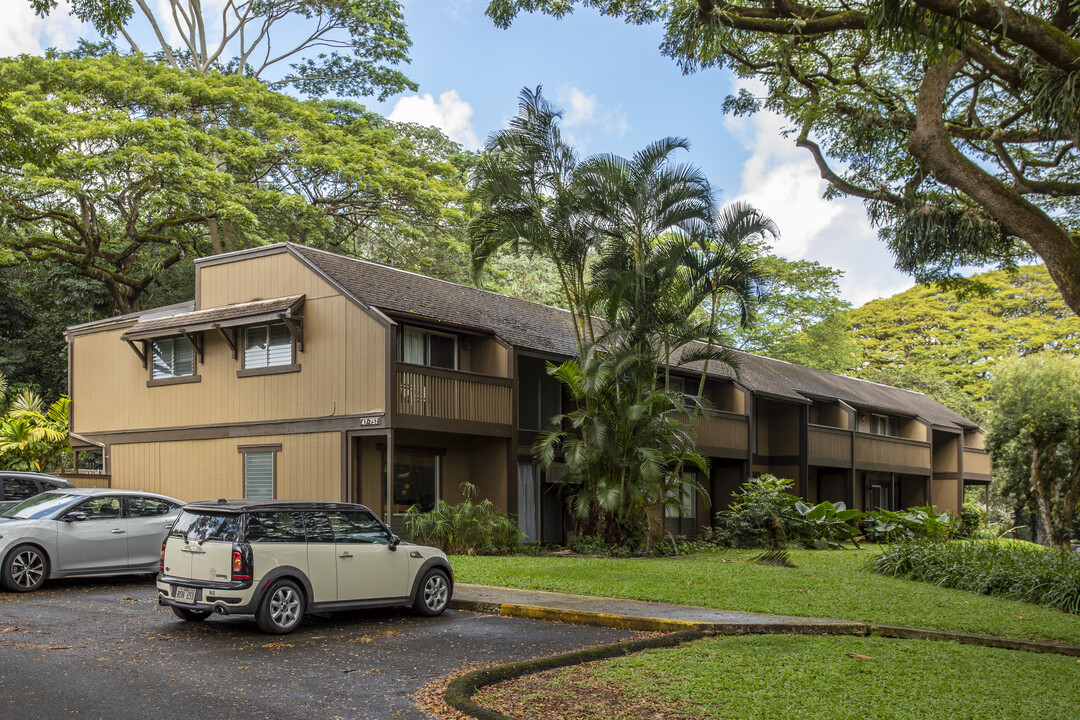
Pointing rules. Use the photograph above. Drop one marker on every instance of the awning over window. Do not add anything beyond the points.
(229, 316)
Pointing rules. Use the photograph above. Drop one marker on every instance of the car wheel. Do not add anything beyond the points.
(433, 595)
(190, 615)
(25, 569)
(281, 609)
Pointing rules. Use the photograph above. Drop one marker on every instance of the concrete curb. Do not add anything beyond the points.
(785, 627)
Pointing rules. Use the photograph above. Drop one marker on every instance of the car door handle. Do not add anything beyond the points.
(196, 551)
(345, 555)
(117, 531)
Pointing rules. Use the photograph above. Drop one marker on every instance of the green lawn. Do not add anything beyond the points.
(806, 678)
(834, 584)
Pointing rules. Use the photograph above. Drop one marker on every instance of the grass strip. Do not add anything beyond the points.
(834, 584)
(805, 678)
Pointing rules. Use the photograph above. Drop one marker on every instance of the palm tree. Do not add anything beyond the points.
(32, 437)
(529, 196)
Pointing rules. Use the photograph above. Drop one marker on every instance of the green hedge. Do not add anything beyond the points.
(1009, 569)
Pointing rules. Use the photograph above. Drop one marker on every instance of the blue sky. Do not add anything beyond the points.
(618, 93)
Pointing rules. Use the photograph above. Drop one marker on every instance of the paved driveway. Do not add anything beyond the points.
(104, 649)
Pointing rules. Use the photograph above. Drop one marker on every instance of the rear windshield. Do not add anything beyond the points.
(199, 526)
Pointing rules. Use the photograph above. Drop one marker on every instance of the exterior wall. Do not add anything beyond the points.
(487, 357)
(307, 467)
(946, 495)
(912, 429)
(343, 366)
(945, 455)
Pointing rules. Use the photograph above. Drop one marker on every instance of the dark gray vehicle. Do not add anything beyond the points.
(18, 486)
(82, 531)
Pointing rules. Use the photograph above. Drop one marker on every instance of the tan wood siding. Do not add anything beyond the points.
(945, 456)
(827, 443)
(342, 372)
(447, 395)
(722, 431)
(488, 357)
(308, 467)
(879, 450)
(946, 495)
(976, 462)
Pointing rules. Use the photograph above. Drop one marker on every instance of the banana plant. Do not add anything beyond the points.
(826, 525)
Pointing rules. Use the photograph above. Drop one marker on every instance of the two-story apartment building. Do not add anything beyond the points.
(297, 373)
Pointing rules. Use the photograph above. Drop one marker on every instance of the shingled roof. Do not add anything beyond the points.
(533, 326)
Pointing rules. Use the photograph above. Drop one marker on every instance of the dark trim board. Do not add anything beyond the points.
(306, 426)
(455, 427)
(822, 461)
(723, 452)
(898, 469)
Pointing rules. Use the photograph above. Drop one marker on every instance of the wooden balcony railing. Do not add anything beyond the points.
(827, 444)
(878, 450)
(976, 462)
(451, 395)
(722, 430)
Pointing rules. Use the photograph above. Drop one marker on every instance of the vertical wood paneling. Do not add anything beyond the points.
(976, 462)
(885, 451)
(441, 394)
(826, 444)
(308, 467)
(342, 368)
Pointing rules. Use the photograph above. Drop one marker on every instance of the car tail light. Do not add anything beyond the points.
(161, 565)
(241, 564)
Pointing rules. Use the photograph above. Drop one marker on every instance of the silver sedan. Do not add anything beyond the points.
(71, 532)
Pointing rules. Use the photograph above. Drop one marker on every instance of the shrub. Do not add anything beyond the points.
(466, 528)
(761, 516)
(825, 525)
(970, 520)
(913, 523)
(1010, 569)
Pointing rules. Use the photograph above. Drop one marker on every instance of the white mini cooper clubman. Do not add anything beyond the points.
(280, 559)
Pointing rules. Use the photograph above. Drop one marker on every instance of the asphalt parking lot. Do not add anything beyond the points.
(104, 649)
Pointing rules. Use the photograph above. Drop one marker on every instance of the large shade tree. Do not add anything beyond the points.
(317, 47)
(956, 121)
(1035, 435)
(120, 168)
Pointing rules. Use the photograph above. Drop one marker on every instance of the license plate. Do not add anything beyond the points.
(182, 594)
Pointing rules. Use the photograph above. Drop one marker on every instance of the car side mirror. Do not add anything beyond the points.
(72, 516)
(394, 541)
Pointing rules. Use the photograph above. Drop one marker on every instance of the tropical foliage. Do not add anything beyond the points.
(953, 340)
(120, 168)
(1034, 436)
(468, 528)
(316, 47)
(638, 247)
(914, 523)
(32, 437)
(954, 121)
(1005, 568)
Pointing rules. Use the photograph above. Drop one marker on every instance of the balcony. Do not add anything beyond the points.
(435, 399)
(829, 446)
(891, 454)
(976, 464)
(722, 434)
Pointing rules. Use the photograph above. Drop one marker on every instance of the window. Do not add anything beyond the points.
(267, 346)
(416, 482)
(686, 508)
(202, 526)
(884, 425)
(140, 507)
(17, 488)
(172, 357)
(101, 508)
(426, 347)
(278, 527)
(259, 475)
(357, 527)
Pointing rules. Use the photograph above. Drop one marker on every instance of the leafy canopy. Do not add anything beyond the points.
(347, 48)
(956, 121)
(121, 167)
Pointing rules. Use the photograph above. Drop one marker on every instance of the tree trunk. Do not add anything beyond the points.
(930, 142)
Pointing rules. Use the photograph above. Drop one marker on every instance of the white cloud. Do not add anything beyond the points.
(24, 32)
(585, 117)
(450, 114)
(782, 180)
